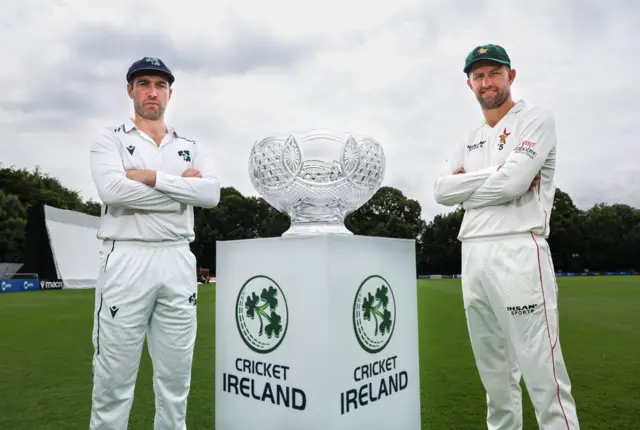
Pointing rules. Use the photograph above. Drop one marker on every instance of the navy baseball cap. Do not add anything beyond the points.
(149, 64)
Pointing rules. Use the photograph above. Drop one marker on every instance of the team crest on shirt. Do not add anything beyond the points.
(185, 154)
(503, 139)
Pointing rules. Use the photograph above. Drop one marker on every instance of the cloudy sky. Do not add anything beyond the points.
(247, 69)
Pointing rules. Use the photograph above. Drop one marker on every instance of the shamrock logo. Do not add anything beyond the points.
(374, 314)
(262, 314)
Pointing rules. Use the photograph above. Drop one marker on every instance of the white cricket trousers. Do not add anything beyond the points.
(144, 290)
(511, 304)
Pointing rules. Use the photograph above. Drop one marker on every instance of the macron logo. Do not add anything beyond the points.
(114, 310)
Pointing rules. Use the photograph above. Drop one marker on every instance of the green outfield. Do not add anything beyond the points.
(45, 358)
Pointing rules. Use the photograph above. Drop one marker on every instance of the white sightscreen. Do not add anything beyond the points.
(74, 245)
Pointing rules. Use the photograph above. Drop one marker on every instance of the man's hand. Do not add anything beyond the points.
(145, 176)
(459, 171)
(535, 182)
(192, 173)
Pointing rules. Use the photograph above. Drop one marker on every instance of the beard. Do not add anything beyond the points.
(497, 101)
(150, 113)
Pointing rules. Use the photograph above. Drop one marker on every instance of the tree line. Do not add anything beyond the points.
(599, 239)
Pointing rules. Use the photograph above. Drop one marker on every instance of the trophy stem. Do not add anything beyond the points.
(316, 229)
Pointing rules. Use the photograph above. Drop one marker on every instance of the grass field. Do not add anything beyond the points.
(45, 358)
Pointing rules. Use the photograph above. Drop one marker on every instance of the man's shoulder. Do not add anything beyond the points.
(528, 113)
(124, 127)
(182, 135)
(114, 129)
(475, 130)
(111, 134)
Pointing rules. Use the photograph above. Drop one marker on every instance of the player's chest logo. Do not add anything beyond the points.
(503, 139)
(475, 146)
(133, 155)
(185, 154)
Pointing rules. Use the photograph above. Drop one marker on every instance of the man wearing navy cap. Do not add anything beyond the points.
(503, 176)
(149, 178)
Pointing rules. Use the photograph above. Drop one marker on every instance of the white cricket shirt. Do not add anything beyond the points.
(134, 211)
(496, 199)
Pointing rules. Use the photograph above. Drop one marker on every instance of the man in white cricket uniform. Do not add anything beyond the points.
(149, 177)
(503, 176)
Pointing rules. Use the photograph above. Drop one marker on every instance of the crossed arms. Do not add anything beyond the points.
(500, 184)
(147, 189)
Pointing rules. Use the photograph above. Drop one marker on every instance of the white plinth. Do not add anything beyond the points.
(319, 363)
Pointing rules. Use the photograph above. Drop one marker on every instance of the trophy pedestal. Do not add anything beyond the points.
(316, 229)
(315, 333)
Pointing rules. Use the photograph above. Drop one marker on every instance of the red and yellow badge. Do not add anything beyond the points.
(503, 137)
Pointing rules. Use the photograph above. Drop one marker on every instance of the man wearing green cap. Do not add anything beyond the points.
(503, 176)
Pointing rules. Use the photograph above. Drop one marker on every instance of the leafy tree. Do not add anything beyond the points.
(12, 225)
(439, 250)
(566, 237)
(236, 217)
(21, 189)
(35, 187)
(91, 208)
(610, 236)
(389, 213)
(634, 250)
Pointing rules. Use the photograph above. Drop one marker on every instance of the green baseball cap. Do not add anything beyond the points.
(488, 52)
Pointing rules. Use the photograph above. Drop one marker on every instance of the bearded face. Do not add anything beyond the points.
(491, 84)
(150, 95)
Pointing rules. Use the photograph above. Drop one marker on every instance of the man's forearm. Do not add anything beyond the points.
(201, 192)
(130, 194)
(450, 190)
(115, 189)
(497, 190)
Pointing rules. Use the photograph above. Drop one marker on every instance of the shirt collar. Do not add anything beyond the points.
(520, 104)
(130, 125)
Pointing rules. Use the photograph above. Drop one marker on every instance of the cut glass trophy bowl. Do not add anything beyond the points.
(317, 177)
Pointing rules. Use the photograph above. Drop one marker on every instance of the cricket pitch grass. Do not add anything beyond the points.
(46, 351)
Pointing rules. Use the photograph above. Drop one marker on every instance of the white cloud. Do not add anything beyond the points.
(248, 69)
